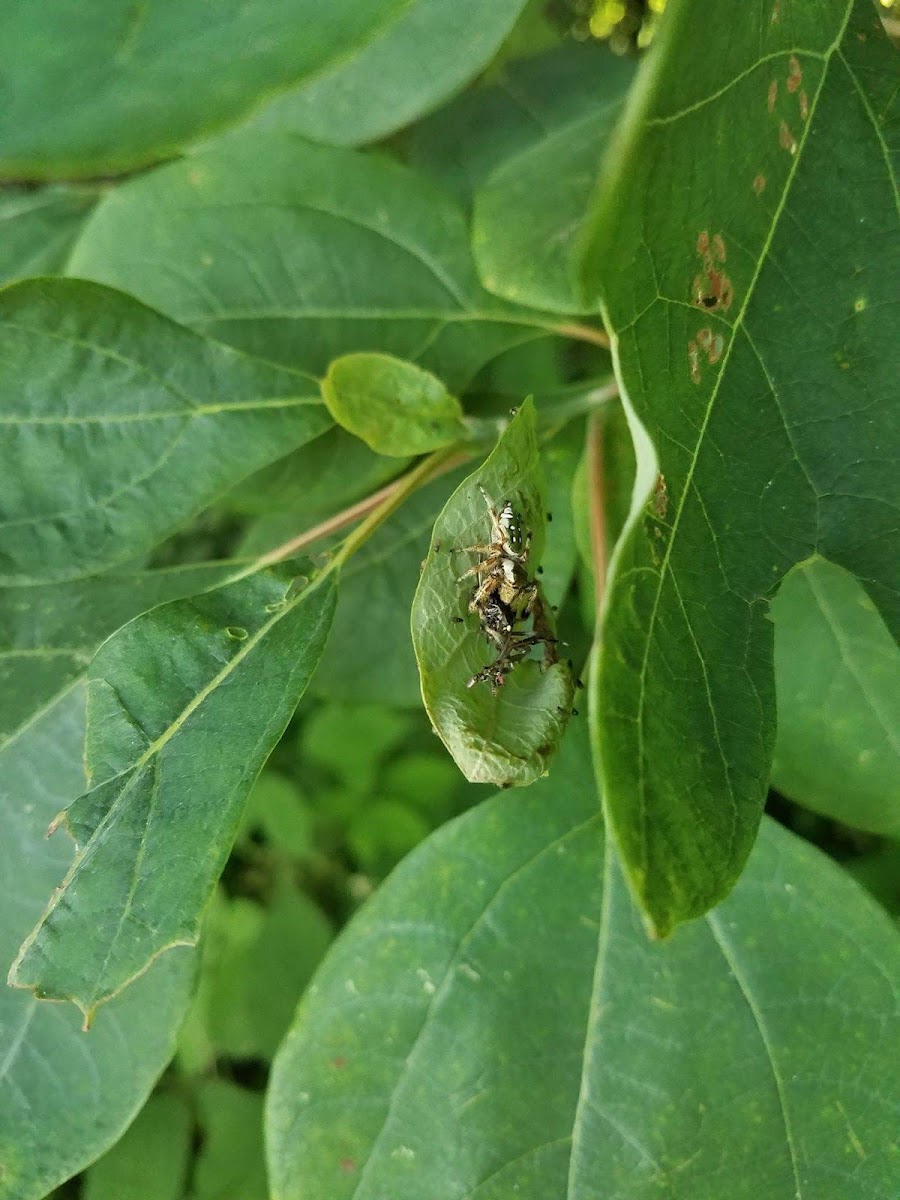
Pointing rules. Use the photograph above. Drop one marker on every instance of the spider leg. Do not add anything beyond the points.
(483, 593)
(487, 566)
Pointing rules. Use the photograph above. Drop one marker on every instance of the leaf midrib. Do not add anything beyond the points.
(155, 747)
(736, 327)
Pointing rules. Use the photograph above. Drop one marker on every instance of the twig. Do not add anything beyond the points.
(583, 333)
(330, 525)
(377, 508)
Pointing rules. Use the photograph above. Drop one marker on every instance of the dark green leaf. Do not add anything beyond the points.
(422, 51)
(256, 962)
(383, 833)
(528, 98)
(377, 732)
(151, 1160)
(395, 407)
(64, 1097)
(508, 738)
(230, 1165)
(529, 213)
(836, 673)
(277, 809)
(185, 705)
(120, 425)
(495, 1024)
(39, 228)
(316, 480)
(97, 88)
(423, 782)
(752, 199)
(243, 243)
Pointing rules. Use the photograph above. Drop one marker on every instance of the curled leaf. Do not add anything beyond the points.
(505, 737)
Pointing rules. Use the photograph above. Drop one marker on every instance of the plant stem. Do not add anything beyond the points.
(375, 509)
(430, 467)
(583, 333)
(597, 507)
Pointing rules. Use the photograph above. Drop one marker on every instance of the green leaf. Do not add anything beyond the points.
(422, 52)
(47, 636)
(185, 704)
(316, 480)
(278, 810)
(151, 1160)
(508, 738)
(233, 242)
(39, 228)
(836, 673)
(530, 212)
(64, 1097)
(230, 1165)
(463, 142)
(750, 347)
(120, 425)
(879, 872)
(395, 407)
(383, 833)
(377, 732)
(257, 962)
(494, 1023)
(423, 782)
(95, 89)
(48, 633)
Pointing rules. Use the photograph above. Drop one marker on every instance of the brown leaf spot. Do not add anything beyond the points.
(804, 106)
(338, 1062)
(712, 288)
(759, 185)
(776, 13)
(786, 139)
(773, 94)
(660, 497)
(712, 344)
(348, 1165)
(795, 75)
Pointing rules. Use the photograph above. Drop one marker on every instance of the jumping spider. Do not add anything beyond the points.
(501, 569)
(505, 596)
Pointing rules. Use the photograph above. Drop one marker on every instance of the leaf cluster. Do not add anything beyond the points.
(293, 296)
